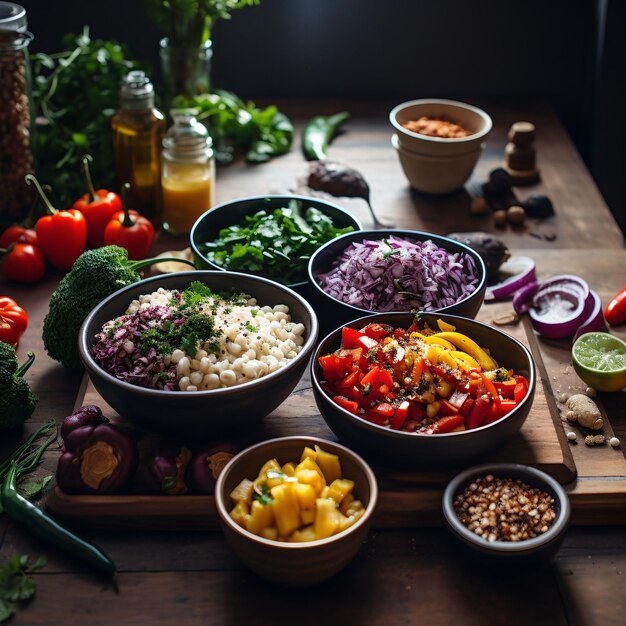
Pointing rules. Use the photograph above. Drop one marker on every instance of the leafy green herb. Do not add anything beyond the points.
(189, 22)
(35, 486)
(277, 245)
(233, 123)
(194, 330)
(372, 355)
(254, 312)
(391, 250)
(367, 388)
(195, 294)
(251, 328)
(75, 94)
(265, 497)
(16, 583)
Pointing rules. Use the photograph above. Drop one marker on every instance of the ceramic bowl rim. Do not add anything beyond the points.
(442, 140)
(399, 434)
(536, 478)
(90, 363)
(410, 234)
(222, 509)
(442, 158)
(270, 196)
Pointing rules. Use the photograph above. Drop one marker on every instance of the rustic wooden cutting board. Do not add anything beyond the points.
(406, 498)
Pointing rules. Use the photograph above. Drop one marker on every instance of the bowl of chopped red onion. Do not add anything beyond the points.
(198, 353)
(384, 271)
(433, 389)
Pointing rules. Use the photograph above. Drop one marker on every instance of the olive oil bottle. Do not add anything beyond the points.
(138, 129)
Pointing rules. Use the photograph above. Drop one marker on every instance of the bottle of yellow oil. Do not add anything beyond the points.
(188, 172)
(138, 129)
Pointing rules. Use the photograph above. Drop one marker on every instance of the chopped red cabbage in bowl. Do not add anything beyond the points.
(396, 274)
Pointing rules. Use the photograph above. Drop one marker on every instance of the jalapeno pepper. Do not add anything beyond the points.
(318, 132)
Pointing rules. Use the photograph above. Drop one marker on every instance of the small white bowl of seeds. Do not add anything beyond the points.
(506, 512)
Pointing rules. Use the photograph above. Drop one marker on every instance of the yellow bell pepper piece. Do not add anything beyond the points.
(445, 327)
(468, 345)
(436, 355)
(439, 341)
(465, 361)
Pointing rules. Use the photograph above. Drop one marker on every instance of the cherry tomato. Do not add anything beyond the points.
(22, 262)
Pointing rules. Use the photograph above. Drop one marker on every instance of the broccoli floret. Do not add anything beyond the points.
(95, 275)
(17, 401)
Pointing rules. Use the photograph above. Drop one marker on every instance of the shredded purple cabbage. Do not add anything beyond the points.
(117, 351)
(400, 275)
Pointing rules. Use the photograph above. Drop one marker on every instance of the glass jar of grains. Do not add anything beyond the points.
(15, 116)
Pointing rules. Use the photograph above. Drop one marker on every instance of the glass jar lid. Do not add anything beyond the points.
(13, 17)
(187, 137)
(137, 92)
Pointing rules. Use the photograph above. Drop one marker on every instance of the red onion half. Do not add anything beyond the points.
(517, 271)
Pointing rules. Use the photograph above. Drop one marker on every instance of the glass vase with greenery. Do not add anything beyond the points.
(186, 49)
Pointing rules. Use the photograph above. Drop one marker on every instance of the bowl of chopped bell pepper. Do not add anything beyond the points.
(411, 390)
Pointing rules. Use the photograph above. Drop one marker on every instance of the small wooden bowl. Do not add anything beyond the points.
(295, 564)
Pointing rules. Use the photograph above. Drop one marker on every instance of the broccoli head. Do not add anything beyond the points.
(95, 275)
(17, 401)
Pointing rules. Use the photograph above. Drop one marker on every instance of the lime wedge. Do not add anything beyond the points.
(600, 361)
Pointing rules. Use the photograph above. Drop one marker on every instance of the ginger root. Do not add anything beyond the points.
(585, 411)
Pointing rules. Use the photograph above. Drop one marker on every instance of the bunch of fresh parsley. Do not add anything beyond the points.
(16, 584)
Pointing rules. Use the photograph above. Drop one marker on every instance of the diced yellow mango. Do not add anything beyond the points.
(289, 469)
(355, 508)
(308, 453)
(346, 521)
(306, 495)
(304, 534)
(272, 464)
(327, 518)
(345, 503)
(286, 509)
(324, 492)
(270, 532)
(329, 463)
(243, 491)
(311, 477)
(261, 516)
(241, 513)
(310, 464)
(339, 489)
(307, 516)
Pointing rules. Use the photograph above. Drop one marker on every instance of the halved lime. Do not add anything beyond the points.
(600, 361)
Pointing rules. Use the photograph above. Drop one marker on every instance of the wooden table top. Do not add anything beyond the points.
(407, 576)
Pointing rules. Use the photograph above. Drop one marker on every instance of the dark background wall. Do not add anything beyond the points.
(568, 52)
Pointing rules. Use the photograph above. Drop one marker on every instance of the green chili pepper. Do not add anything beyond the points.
(48, 529)
(318, 132)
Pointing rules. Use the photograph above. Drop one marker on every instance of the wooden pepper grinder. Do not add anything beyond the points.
(520, 156)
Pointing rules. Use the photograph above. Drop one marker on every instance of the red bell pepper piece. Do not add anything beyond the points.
(519, 392)
(506, 406)
(489, 386)
(375, 418)
(377, 331)
(416, 412)
(615, 312)
(350, 380)
(479, 412)
(98, 207)
(61, 234)
(130, 230)
(505, 388)
(13, 321)
(447, 408)
(467, 406)
(448, 424)
(345, 403)
(22, 262)
(400, 415)
(383, 408)
(332, 366)
(349, 337)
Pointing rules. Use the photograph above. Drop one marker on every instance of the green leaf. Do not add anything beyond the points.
(7, 609)
(33, 487)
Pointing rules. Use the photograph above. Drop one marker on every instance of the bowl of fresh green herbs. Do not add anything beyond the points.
(269, 236)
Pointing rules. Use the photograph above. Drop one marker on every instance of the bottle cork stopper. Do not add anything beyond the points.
(522, 133)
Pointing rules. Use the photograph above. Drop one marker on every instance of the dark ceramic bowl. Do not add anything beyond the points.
(509, 552)
(199, 413)
(208, 225)
(295, 564)
(328, 307)
(410, 450)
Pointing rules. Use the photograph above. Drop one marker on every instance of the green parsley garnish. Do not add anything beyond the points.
(251, 328)
(195, 329)
(265, 497)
